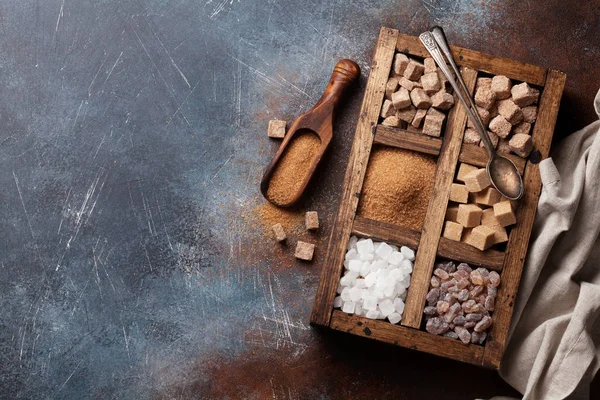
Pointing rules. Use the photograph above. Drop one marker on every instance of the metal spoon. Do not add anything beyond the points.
(503, 173)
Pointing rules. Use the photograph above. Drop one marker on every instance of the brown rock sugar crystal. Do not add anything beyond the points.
(292, 168)
(397, 187)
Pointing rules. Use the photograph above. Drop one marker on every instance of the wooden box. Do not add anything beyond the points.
(450, 150)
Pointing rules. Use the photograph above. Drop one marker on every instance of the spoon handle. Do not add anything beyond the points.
(433, 47)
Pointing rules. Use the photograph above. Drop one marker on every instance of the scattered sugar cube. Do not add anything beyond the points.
(430, 66)
(504, 213)
(483, 83)
(493, 138)
(304, 251)
(387, 109)
(408, 254)
(419, 116)
(484, 97)
(481, 237)
(431, 83)
(523, 95)
(401, 99)
(488, 196)
(529, 114)
(459, 193)
(521, 144)
(312, 220)
(392, 121)
(442, 100)
(500, 126)
(390, 87)
(394, 318)
(477, 180)
(276, 129)
(434, 121)
(501, 85)
(420, 98)
(469, 215)
(365, 246)
(337, 301)
(407, 114)
(407, 84)
(471, 136)
(400, 63)
(280, 235)
(348, 307)
(451, 213)
(453, 231)
(414, 70)
(510, 111)
(524, 128)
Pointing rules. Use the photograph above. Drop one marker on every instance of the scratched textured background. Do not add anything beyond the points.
(132, 142)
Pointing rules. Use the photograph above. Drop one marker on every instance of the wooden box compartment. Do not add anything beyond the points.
(449, 150)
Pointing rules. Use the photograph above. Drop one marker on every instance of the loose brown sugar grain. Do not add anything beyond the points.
(269, 215)
(397, 187)
(292, 168)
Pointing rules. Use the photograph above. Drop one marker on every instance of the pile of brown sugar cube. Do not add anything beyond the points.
(417, 96)
(508, 112)
(478, 214)
(460, 301)
(304, 250)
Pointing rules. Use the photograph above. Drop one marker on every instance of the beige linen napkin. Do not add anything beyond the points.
(554, 349)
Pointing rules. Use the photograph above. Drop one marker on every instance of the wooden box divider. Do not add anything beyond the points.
(429, 244)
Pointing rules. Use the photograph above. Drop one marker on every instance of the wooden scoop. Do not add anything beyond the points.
(319, 121)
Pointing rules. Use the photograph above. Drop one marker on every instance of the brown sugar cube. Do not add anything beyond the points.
(488, 219)
(419, 98)
(484, 97)
(483, 82)
(521, 145)
(419, 116)
(488, 197)
(481, 237)
(529, 114)
(304, 251)
(503, 146)
(412, 128)
(387, 109)
(493, 111)
(280, 235)
(431, 83)
(464, 169)
(459, 193)
(312, 220)
(522, 129)
(400, 63)
(501, 85)
(453, 231)
(469, 215)
(493, 137)
(430, 65)
(277, 129)
(407, 114)
(510, 111)
(401, 99)
(536, 95)
(392, 121)
(390, 87)
(471, 136)
(523, 95)
(477, 180)
(442, 100)
(484, 115)
(503, 212)
(451, 213)
(407, 84)
(500, 235)
(500, 126)
(414, 70)
(434, 121)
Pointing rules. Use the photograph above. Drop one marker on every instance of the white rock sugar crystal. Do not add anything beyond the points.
(375, 280)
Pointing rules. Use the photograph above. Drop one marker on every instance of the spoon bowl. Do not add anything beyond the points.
(505, 176)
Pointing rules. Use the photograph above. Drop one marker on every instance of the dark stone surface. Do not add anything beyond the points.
(133, 140)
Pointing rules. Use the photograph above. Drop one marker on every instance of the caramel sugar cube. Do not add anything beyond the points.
(401, 99)
(483, 83)
(434, 121)
(451, 213)
(387, 109)
(524, 128)
(510, 111)
(419, 117)
(312, 220)
(464, 169)
(459, 193)
(471, 136)
(400, 63)
(500, 235)
(431, 83)
(481, 237)
(442, 100)
(484, 115)
(488, 219)
(277, 129)
(521, 144)
(392, 121)
(304, 251)
(430, 65)
(488, 196)
(407, 114)
(453, 231)
(469, 215)
(500, 126)
(477, 180)
(503, 212)
(503, 146)
(280, 235)
(493, 138)
(407, 84)
(419, 98)
(414, 70)
(484, 97)
(523, 95)
(501, 85)
(529, 114)
(390, 87)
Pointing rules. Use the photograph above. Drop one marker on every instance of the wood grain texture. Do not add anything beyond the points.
(478, 156)
(436, 210)
(407, 337)
(462, 252)
(532, 74)
(519, 237)
(404, 139)
(386, 232)
(355, 173)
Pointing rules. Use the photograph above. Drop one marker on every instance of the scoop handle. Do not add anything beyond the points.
(345, 72)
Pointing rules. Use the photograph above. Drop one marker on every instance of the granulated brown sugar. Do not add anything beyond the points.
(267, 215)
(397, 187)
(292, 168)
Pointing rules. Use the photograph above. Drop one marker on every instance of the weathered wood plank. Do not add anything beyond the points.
(404, 139)
(386, 232)
(355, 174)
(519, 237)
(478, 156)
(462, 252)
